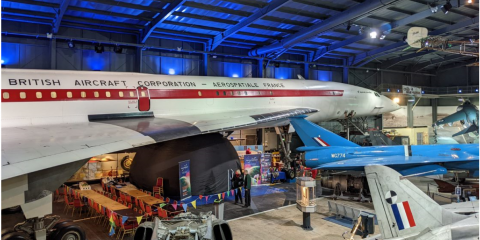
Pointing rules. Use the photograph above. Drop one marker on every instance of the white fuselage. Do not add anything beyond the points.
(43, 97)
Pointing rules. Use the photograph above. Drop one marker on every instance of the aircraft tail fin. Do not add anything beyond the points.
(402, 209)
(314, 135)
(472, 128)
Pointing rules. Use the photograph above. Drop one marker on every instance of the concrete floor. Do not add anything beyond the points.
(286, 222)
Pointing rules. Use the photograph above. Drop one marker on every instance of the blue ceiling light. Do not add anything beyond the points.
(476, 90)
(398, 90)
(171, 71)
(388, 89)
(423, 92)
(460, 91)
(235, 75)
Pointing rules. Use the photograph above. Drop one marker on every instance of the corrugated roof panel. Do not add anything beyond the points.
(225, 4)
(187, 29)
(277, 25)
(29, 7)
(253, 38)
(207, 13)
(103, 17)
(187, 20)
(105, 7)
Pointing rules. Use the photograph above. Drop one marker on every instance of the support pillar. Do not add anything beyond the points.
(345, 73)
(410, 103)
(138, 60)
(306, 71)
(205, 65)
(434, 103)
(261, 68)
(53, 53)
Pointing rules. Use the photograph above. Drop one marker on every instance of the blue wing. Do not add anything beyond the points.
(455, 117)
(357, 163)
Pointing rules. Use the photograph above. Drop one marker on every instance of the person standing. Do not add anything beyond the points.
(247, 184)
(237, 184)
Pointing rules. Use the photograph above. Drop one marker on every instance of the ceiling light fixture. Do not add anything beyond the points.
(99, 48)
(373, 34)
(71, 44)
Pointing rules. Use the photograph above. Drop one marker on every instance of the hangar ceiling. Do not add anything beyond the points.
(269, 28)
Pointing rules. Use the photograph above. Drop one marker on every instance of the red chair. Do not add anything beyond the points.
(114, 198)
(128, 227)
(142, 206)
(68, 204)
(160, 185)
(148, 192)
(157, 195)
(77, 204)
(148, 212)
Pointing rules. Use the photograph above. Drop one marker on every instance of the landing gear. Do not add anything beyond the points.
(49, 227)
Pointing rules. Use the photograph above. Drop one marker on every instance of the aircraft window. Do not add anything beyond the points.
(6, 95)
(143, 94)
(83, 94)
(107, 94)
(217, 93)
(200, 93)
(376, 94)
(69, 94)
(120, 94)
(271, 93)
(231, 93)
(39, 94)
(246, 93)
(96, 94)
(258, 92)
(132, 94)
(224, 93)
(53, 94)
(23, 95)
(238, 93)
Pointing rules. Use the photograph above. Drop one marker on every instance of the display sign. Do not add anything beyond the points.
(184, 178)
(266, 163)
(252, 165)
(411, 90)
(458, 191)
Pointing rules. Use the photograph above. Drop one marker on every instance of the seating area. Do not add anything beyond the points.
(123, 207)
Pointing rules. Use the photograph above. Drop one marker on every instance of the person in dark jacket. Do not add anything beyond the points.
(247, 184)
(237, 181)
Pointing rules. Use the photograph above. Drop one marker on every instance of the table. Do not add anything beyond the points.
(131, 190)
(102, 200)
(151, 200)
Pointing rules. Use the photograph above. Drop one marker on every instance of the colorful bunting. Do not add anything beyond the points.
(194, 204)
(219, 196)
(139, 219)
(184, 207)
(228, 193)
(233, 192)
(223, 195)
(174, 205)
(112, 231)
(206, 199)
(124, 219)
(200, 196)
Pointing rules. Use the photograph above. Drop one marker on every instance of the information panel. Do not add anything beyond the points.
(266, 163)
(252, 165)
(184, 178)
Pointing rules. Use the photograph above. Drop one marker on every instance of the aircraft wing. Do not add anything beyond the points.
(460, 115)
(33, 148)
(358, 163)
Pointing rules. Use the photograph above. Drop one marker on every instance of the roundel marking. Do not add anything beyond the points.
(391, 197)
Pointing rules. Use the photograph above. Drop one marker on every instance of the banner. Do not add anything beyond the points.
(184, 178)
(252, 165)
(266, 163)
(411, 90)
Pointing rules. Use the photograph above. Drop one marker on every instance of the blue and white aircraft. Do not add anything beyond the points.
(328, 151)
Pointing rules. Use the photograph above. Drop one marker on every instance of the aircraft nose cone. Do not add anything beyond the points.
(389, 105)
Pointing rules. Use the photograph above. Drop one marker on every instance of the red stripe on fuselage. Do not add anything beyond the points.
(101, 94)
(411, 221)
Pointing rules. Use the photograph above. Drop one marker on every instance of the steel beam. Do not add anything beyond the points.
(436, 61)
(457, 65)
(274, 5)
(59, 15)
(399, 23)
(160, 18)
(360, 59)
(361, 10)
(392, 62)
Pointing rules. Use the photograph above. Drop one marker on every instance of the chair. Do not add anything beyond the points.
(148, 212)
(148, 192)
(157, 195)
(160, 185)
(142, 206)
(128, 227)
(114, 198)
(58, 195)
(77, 204)
(68, 204)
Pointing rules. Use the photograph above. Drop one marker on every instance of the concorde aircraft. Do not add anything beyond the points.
(326, 150)
(53, 120)
(404, 212)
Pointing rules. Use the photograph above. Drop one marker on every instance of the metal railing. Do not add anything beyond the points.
(430, 90)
